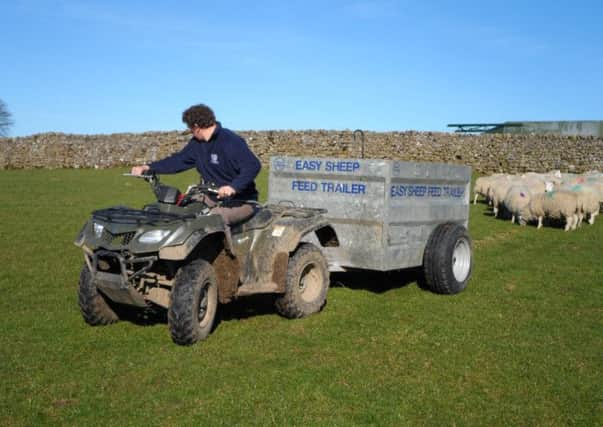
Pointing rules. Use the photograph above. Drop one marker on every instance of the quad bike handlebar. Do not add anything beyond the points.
(171, 195)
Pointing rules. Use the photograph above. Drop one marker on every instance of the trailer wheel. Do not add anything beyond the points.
(193, 303)
(93, 306)
(448, 259)
(306, 285)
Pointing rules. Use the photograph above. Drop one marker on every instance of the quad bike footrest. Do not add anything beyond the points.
(114, 287)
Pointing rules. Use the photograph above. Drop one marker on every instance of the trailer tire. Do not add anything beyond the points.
(306, 285)
(93, 306)
(448, 259)
(193, 303)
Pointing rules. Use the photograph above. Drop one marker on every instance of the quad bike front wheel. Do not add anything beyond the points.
(306, 285)
(93, 306)
(193, 303)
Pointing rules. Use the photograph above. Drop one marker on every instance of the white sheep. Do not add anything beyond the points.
(570, 177)
(536, 184)
(596, 181)
(516, 199)
(555, 204)
(482, 185)
(589, 200)
(498, 190)
(554, 177)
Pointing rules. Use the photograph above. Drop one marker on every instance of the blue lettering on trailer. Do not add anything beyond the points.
(343, 187)
(433, 191)
(349, 166)
(342, 166)
(329, 187)
(308, 165)
(456, 192)
(303, 186)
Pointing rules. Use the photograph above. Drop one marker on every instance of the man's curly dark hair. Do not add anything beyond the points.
(199, 115)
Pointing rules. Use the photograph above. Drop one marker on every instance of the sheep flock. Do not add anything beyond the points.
(537, 197)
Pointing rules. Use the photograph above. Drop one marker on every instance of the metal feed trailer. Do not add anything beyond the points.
(386, 214)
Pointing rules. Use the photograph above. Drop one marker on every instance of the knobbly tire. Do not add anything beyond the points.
(448, 259)
(95, 309)
(306, 285)
(193, 303)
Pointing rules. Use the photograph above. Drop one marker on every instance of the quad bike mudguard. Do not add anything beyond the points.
(266, 264)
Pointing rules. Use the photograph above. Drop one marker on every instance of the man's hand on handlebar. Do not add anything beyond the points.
(226, 191)
(139, 170)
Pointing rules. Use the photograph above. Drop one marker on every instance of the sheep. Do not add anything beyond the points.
(498, 190)
(554, 177)
(535, 184)
(589, 200)
(514, 192)
(516, 199)
(540, 182)
(555, 204)
(595, 181)
(572, 178)
(482, 185)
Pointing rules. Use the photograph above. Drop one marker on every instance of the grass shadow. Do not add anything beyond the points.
(249, 306)
(377, 281)
(150, 316)
(374, 281)
(242, 308)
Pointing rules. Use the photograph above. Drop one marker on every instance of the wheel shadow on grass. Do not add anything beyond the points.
(249, 306)
(264, 304)
(377, 281)
(374, 281)
(149, 316)
(242, 308)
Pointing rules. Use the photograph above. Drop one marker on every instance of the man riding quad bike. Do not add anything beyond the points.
(176, 255)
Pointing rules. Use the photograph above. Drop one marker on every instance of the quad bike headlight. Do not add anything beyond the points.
(153, 236)
(98, 230)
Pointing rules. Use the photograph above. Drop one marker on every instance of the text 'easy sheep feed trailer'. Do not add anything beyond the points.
(323, 215)
(387, 215)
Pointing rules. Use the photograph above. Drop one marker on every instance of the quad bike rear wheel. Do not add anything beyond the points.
(306, 284)
(193, 303)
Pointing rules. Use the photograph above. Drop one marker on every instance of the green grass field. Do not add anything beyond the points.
(523, 345)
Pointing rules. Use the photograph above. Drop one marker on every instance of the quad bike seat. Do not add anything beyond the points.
(260, 219)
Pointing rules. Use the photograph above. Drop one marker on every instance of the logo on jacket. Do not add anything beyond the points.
(214, 159)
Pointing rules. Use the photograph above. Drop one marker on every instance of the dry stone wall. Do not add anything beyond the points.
(486, 153)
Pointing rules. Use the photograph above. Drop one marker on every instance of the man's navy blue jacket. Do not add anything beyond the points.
(224, 160)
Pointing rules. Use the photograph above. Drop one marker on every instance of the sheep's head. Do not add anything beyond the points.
(549, 186)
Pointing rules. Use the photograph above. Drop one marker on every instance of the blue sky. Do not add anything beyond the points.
(92, 66)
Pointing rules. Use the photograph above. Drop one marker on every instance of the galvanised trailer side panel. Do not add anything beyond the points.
(382, 210)
(421, 196)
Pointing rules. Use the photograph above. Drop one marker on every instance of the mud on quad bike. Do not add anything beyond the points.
(173, 254)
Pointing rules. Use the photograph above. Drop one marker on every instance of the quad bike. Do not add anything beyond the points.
(176, 256)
